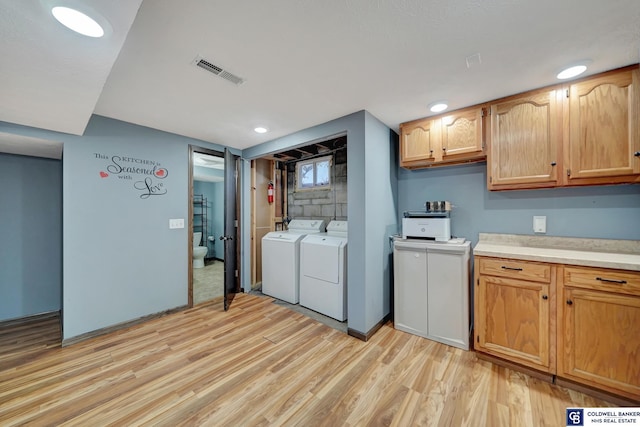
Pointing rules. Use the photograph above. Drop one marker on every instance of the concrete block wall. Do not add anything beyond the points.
(326, 204)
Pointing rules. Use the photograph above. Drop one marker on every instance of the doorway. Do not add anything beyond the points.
(307, 183)
(213, 226)
(208, 226)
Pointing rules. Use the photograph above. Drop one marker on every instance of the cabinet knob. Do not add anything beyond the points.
(569, 302)
(444, 148)
(545, 297)
(637, 154)
(553, 163)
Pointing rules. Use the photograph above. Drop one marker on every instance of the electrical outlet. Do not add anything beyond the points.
(176, 223)
(540, 224)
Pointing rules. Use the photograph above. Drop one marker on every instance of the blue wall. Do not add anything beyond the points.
(214, 193)
(611, 212)
(120, 259)
(381, 220)
(30, 236)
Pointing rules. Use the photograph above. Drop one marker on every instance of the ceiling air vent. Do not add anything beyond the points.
(218, 71)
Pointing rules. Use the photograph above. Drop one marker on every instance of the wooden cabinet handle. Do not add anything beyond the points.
(545, 297)
(569, 302)
(620, 282)
(511, 268)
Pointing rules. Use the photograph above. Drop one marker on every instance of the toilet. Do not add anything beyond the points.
(199, 252)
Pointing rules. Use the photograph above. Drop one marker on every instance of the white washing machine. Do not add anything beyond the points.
(281, 259)
(323, 271)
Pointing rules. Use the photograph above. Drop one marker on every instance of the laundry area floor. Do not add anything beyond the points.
(208, 282)
(326, 320)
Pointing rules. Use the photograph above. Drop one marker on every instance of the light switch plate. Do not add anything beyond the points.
(539, 224)
(176, 223)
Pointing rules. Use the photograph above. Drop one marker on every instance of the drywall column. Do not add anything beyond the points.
(381, 220)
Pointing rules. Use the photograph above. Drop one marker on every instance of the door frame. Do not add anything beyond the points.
(195, 149)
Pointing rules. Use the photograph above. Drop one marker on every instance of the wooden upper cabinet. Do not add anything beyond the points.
(418, 142)
(462, 133)
(525, 142)
(603, 132)
(442, 140)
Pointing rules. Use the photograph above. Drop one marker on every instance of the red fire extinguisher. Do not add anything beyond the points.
(270, 192)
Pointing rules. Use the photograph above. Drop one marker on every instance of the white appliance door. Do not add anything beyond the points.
(320, 258)
(448, 294)
(410, 287)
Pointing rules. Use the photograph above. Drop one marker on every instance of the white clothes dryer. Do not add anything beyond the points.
(281, 259)
(323, 271)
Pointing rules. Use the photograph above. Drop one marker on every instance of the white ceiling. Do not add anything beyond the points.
(29, 146)
(305, 61)
(206, 161)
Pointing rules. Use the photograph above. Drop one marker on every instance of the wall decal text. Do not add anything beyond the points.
(146, 174)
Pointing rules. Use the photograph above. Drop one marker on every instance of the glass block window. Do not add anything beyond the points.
(314, 173)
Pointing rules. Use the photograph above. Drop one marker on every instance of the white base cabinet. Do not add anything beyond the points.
(431, 290)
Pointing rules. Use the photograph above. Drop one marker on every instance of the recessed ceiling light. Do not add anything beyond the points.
(77, 21)
(260, 130)
(438, 107)
(570, 72)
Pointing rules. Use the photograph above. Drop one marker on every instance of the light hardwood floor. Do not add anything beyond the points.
(261, 364)
(208, 282)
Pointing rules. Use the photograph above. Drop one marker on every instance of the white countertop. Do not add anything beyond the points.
(604, 253)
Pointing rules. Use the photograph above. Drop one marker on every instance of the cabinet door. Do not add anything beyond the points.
(604, 137)
(410, 290)
(448, 297)
(600, 340)
(525, 145)
(418, 141)
(512, 320)
(462, 134)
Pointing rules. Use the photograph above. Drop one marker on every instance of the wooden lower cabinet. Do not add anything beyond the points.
(513, 315)
(599, 330)
(581, 324)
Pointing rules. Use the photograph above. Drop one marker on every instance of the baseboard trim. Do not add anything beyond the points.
(30, 318)
(366, 336)
(543, 376)
(562, 382)
(103, 331)
(600, 394)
